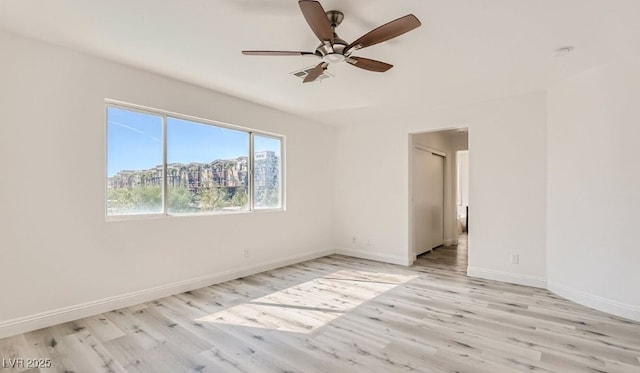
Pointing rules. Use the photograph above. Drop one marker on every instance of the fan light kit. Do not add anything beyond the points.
(332, 48)
(333, 58)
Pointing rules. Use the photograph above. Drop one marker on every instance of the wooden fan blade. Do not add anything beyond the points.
(317, 19)
(387, 31)
(368, 64)
(278, 53)
(315, 73)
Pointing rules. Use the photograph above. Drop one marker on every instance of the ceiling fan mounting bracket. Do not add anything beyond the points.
(335, 17)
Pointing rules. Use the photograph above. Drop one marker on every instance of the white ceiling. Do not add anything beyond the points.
(465, 50)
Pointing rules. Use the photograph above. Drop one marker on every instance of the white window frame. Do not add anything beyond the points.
(167, 114)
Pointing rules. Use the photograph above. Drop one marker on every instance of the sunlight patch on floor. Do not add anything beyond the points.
(305, 307)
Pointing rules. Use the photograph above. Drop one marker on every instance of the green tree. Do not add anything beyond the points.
(119, 200)
(147, 198)
(210, 198)
(239, 198)
(137, 199)
(180, 199)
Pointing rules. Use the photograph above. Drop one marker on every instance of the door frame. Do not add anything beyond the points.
(411, 257)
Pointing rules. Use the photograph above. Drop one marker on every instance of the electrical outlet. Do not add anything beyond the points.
(353, 240)
(246, 253)
(368, 242)
(515, 259)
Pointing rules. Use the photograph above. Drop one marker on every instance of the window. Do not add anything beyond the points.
(207, 167)
(134, 163)
(163, 164)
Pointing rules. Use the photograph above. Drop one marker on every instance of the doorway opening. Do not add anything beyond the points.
(439, 194)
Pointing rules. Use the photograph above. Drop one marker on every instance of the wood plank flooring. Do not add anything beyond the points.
(340, 314)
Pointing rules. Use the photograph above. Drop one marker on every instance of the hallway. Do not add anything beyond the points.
(450, 258)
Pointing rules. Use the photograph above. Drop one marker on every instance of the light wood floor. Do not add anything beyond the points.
(339, 314)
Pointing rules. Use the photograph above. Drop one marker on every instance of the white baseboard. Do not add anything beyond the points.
(510, 277)
(61, 315)
(401, 260)
(599, 303)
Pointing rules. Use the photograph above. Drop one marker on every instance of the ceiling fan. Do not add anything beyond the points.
(335, 50)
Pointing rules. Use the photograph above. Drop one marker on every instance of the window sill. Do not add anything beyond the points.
(117, 218)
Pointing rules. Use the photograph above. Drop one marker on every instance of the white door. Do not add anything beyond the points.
(428, 200)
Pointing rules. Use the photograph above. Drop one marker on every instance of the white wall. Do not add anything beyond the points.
(448, 142)
(507, 146)
(593, 184)
(56, 248)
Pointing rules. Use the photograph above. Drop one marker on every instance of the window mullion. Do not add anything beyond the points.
(251, 178)
(165, 183)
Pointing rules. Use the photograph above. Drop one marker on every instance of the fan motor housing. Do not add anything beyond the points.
(334, 53)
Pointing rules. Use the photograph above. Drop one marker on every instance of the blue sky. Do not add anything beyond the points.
(135, 141)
